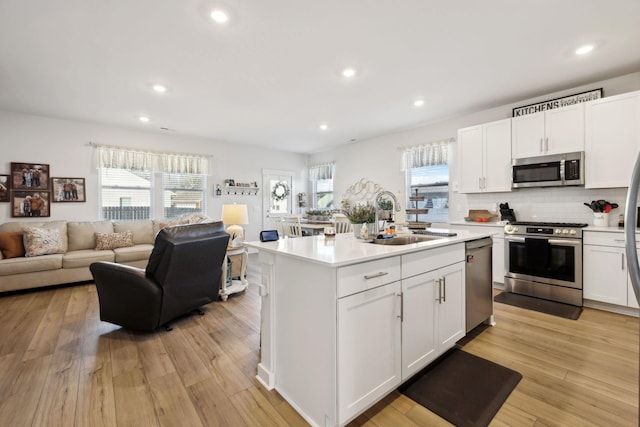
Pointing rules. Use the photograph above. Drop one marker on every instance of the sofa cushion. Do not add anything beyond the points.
(42, 241)
(142, 230)
(18, 226)
(82, 234)
(30, 265)
(113, 240)
(84, 258)
(11, 245)
(134, 253)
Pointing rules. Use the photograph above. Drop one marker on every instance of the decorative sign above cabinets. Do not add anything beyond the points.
(558, 102)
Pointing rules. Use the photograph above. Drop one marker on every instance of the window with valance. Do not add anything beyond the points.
(321, 185)
(427, 175)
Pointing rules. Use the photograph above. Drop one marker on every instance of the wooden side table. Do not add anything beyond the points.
(236, 256)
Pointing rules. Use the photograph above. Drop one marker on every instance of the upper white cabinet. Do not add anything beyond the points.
(484, 154)
(612, 140)
(556, 131)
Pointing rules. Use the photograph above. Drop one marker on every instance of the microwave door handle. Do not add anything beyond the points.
(562, 174)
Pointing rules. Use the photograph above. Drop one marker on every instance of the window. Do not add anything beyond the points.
(427, 177)
(125, 195)
(182, 193)
(131, 181)
(321, 184)
(432, 183)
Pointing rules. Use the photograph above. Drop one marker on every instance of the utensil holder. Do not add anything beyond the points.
(600, 219)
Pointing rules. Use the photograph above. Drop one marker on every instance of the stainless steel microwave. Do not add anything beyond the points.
(555, 170)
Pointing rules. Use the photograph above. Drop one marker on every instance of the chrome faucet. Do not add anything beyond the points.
(396, 206)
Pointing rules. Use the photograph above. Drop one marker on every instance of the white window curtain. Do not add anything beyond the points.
(432, 154)
(321, 171)
(111, 157)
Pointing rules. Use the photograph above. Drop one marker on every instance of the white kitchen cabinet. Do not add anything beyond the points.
(368, 348)
(556, 131)
(612, 140)
(434, 298)
(484, 156)
(605, 269)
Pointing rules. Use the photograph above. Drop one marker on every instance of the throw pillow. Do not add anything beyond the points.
(42, 241)
(11, 245)
(113, 240)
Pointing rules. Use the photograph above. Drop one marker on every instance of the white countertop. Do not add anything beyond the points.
(345, 249)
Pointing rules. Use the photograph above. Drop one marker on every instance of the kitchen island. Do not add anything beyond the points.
(344, 322)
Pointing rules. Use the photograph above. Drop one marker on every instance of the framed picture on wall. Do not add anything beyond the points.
(68, 190)
(30, 203)
(29, 176)
(4, 188)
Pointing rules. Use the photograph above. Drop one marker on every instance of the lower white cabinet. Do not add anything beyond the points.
(434, 298)
(368, 348)
(605, 269)
(387, 334)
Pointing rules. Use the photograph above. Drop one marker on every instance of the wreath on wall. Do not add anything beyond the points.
(280, 191)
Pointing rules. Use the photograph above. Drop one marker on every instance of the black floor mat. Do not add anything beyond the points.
(544, 306)
(462, 388)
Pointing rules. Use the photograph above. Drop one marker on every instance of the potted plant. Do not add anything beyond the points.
(358, 215)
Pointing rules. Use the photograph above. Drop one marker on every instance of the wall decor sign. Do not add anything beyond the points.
(68, 190)
(558, 102)
(29, 176)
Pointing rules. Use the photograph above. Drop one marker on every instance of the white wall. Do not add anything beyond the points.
(378, 159)
(64, 146)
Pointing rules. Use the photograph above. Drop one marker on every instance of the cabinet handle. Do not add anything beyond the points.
(546, 144)
(439, 299)
(444, 289)
(401, 316)
(373, 276)
(622, 264)
(484, 183)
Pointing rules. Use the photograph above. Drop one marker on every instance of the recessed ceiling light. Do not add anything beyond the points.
(160, 88)
(323, 126)
(584, 49)
(349, 72)
(144, 119)
(418, 103)
(219, 16)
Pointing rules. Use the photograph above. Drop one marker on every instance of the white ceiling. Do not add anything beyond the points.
(271, 75)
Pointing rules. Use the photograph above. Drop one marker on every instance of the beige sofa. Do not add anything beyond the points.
(78, 242)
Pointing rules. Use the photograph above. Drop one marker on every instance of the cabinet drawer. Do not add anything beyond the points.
(367, 275)
(606, 239)
(430, 259)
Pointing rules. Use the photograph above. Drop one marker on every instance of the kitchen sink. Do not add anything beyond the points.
(405, 240)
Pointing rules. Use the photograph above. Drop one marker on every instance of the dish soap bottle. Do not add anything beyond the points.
(364, 231)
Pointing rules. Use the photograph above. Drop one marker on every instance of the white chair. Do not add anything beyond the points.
(342, 224)
(291, 226)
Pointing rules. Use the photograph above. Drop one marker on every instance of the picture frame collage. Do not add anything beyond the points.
(31, 190)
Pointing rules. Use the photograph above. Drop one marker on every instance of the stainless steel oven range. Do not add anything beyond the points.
(544, 260)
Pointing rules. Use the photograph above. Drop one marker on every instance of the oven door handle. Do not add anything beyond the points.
(514, 239)
(565, 242)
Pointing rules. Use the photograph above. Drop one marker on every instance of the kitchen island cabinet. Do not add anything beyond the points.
(336, 337)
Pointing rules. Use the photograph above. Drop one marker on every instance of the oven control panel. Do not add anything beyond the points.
(540, 230)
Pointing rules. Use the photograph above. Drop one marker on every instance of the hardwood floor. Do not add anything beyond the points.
(61, 366)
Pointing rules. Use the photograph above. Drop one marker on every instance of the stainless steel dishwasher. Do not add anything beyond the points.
(479, 282)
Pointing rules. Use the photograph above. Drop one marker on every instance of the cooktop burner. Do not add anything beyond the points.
(551, 224)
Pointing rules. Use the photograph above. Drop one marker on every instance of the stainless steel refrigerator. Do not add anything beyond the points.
(630, 223)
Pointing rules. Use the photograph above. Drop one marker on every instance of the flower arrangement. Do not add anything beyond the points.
(360, 213)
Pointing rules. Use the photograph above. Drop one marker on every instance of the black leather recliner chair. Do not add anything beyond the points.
(183, 274)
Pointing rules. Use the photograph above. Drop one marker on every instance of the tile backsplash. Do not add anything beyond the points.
(562, 204)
